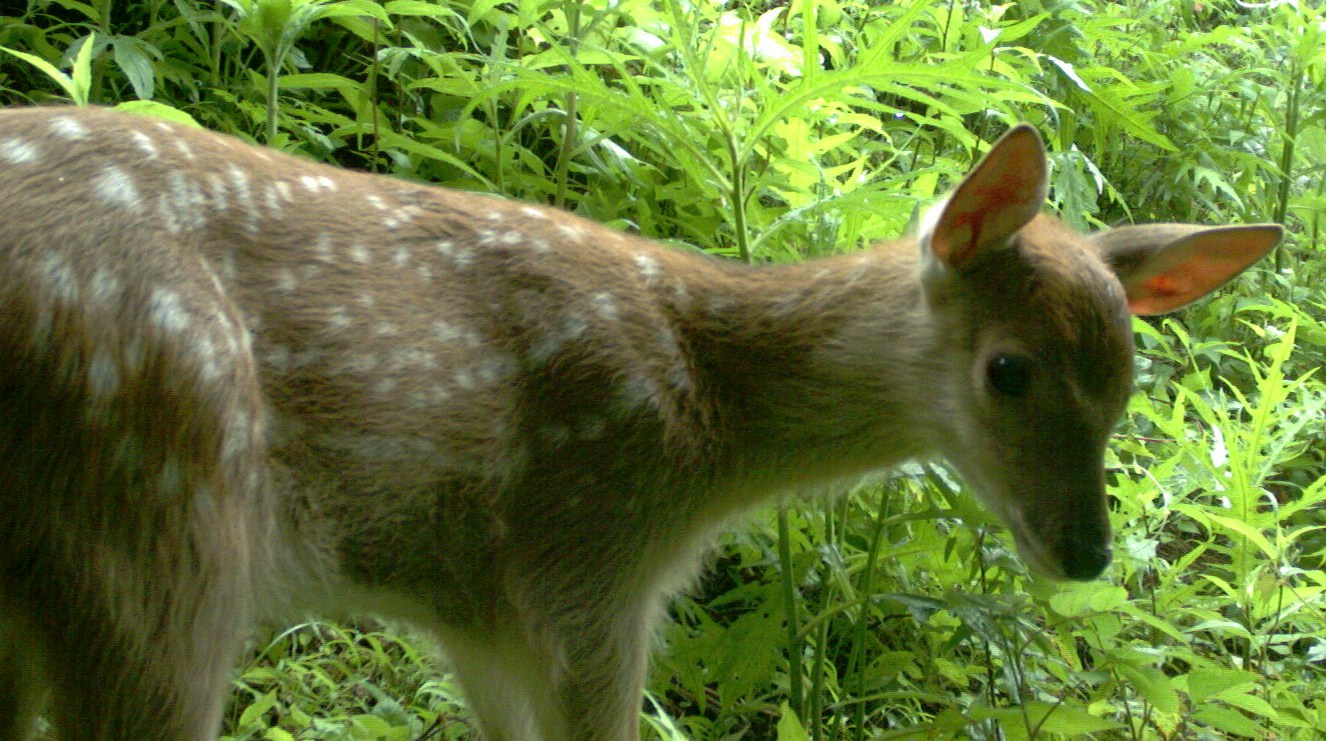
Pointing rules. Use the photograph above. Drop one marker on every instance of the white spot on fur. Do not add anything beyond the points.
(18, 152)
(446, 331)
(171, 479)
(242, 193)
(207, 356)
(216, 191)
(400, 257)
(168, 310)
(60, 279)
(228, 267)
(272, 200)
(605, 305)
(648, 267)
(339, 318)
(638, 392)
(464, 378)
(103, 376)
(571, 328)
(496, 369)
(539, 244)
(511, 238)
(145, 144)
(305, 358)
(279, 358)
(359, 253)
(573, 232)
(68, 128)
(411, 358)
(495, 216)
(359, 363)
(322, 247)
(425, 272)
(238, 436)
(285, 280)
(533, 212)
(400, 217)
(375, 200)
(114, 185)
(184, 149)
(105, 291)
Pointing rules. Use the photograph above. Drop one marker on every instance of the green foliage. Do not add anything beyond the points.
(777, 131)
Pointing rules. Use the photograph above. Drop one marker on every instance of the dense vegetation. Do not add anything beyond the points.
(768, 131)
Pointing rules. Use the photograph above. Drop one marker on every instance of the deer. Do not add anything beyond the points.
(239, 387)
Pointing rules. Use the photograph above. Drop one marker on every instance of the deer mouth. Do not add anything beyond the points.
(1063, 560)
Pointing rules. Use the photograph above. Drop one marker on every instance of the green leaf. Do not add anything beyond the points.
(1250, 533)
(158, 110)
(52, 72)
(1151, 685)
(789, 725)
(1226, 720)
(1065, 718)
(1204, 683)
(257, 709)
(133, 59)
(1249, 703)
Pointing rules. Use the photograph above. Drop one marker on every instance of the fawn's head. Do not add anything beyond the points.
(1038, 321)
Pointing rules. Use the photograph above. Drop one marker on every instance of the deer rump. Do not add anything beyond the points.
(236, 386)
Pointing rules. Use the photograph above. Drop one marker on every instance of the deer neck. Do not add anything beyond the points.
(819, 369)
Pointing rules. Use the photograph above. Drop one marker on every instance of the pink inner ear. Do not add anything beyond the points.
(981, 215)
(1157, 295)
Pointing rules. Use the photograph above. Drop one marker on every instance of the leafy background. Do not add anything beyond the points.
(768, 132)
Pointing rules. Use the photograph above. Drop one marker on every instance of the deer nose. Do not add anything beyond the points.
(1087, 562)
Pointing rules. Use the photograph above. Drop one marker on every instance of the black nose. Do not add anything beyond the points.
(1084, 563)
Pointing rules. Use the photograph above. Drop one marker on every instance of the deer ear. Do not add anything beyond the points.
(994, 201)
(1166, 266)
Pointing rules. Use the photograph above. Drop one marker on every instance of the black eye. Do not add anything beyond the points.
(1009, 375)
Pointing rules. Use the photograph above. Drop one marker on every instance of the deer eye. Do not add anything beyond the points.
(1009, 375)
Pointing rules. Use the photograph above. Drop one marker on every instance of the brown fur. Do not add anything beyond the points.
(238, 386)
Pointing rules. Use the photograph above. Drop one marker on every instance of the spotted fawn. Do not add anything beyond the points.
(239, 387)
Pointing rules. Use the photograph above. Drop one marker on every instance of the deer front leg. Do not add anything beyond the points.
(580, 678)
(574, 684)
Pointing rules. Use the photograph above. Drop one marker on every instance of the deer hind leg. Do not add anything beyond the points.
(134, 639)
(23, 687)
(133, 505)
(114, 682)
